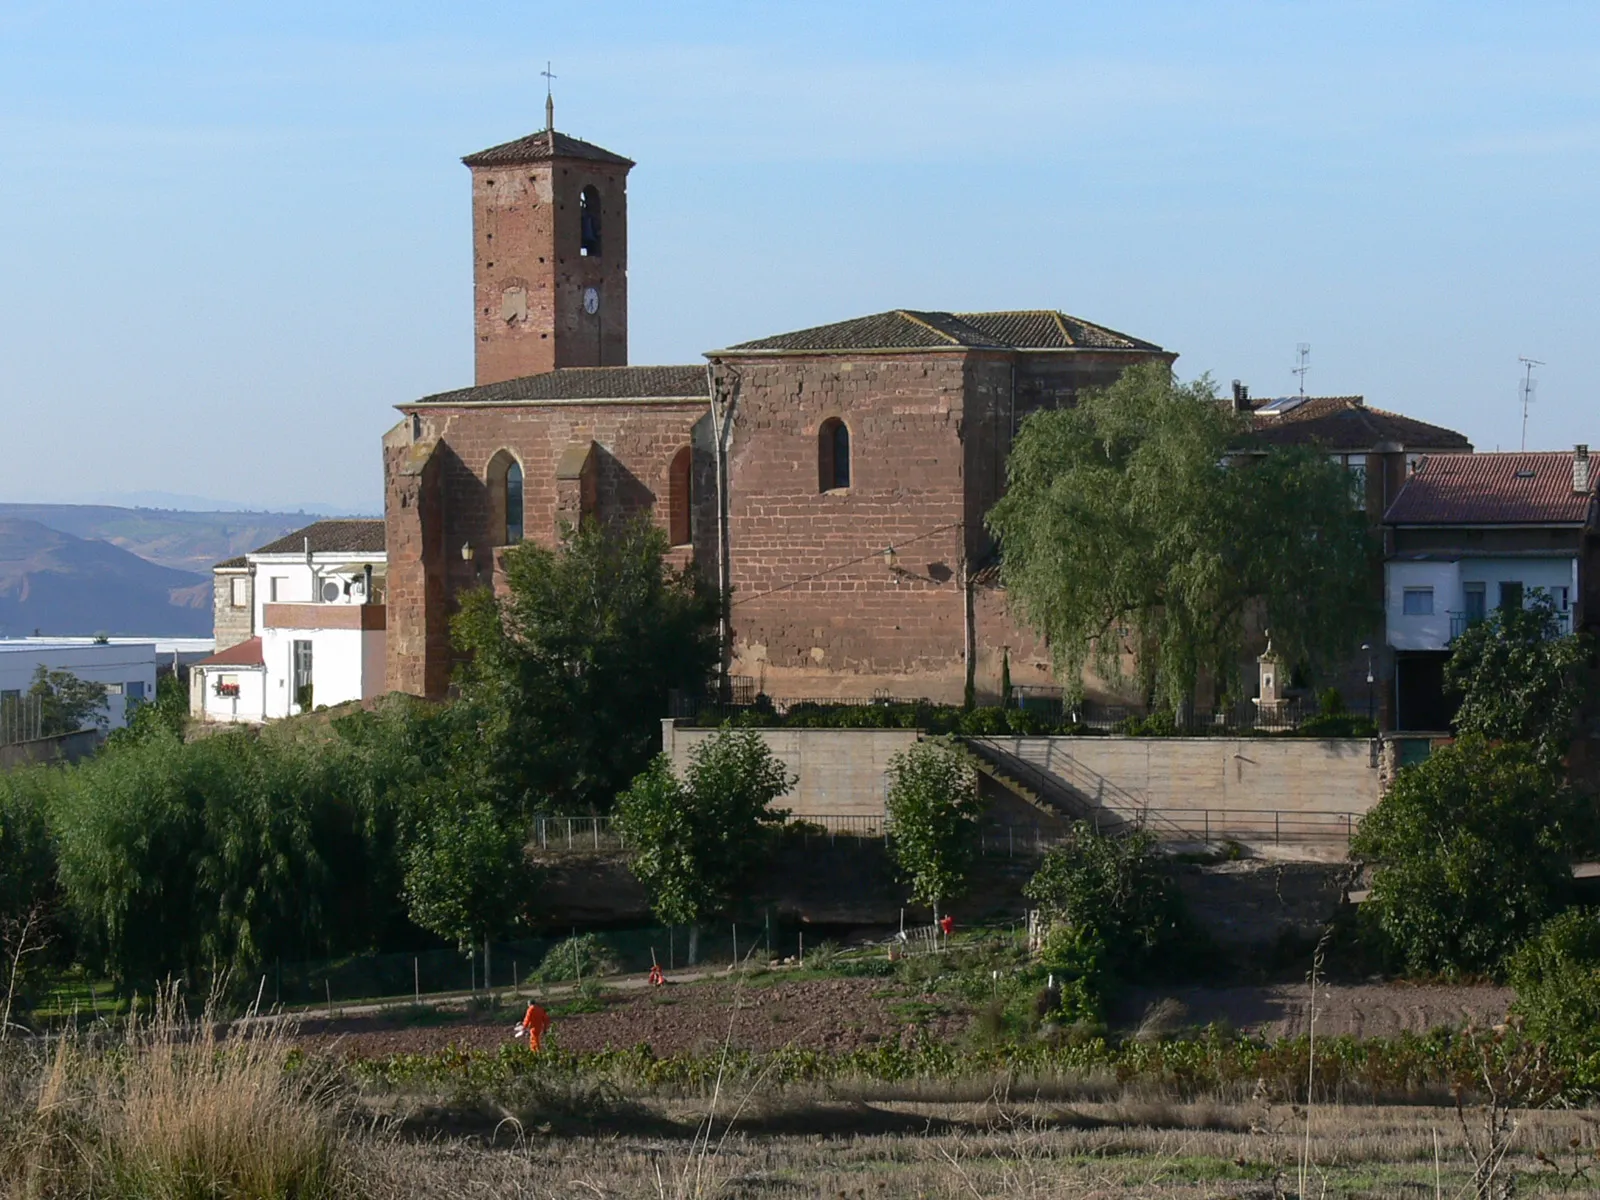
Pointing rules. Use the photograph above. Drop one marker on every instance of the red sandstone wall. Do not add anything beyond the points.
(433, 512)
(815, 611)
(525, 235)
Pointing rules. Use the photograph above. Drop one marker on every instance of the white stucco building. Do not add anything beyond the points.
(1473, 533)
(305, 617)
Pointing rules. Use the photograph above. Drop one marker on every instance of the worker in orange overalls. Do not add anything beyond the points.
(534, 1024)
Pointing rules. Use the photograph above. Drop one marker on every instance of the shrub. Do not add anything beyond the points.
(1472, 848)
(1114, 893)
(1557, 977)
(582, 957)
(933, 810)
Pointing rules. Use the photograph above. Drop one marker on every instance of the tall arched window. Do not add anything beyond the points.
(680, 497)
(589, 222)
(505, 498)
(833, 455)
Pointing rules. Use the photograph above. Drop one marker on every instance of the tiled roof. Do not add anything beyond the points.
(1492, 489)
(1346, 423)
(245, 654)
(238, 560)
(907, 329)
(363, 536)
(541, 147)
(586, 383)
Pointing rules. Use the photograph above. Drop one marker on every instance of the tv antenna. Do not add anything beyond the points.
(1529, 387)
(1302, 352)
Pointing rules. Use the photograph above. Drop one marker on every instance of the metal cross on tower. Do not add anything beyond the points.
(549, 98)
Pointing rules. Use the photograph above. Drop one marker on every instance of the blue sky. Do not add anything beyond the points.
(235, 235)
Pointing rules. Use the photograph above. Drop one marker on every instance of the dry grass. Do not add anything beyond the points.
(170, 1109)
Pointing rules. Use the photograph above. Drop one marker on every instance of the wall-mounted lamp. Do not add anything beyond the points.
(466, 551)
(891, 560)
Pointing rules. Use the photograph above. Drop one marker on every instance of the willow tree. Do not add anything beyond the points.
(1141, 523)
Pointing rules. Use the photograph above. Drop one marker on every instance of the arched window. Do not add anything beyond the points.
(589, 222)
(833, 455)
(680, 497)
(505, 498)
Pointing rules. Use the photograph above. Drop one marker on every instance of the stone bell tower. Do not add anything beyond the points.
(549, 255)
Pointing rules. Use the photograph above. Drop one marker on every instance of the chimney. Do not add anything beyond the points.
(1581, 479)
(1241, 397)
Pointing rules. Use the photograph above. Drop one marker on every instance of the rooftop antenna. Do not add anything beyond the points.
(1530, 385)
(549, 98)
(1302, 352)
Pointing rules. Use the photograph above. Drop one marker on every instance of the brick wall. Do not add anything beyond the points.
(438, 501)
(815, 610)
(529, 279)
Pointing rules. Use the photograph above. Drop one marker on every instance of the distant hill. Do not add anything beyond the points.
(56, 583)
(188, 541)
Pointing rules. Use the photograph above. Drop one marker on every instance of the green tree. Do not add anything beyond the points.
(168, 713)
(1142, 519)
(1473, 849)
(224, 853)
(466, 876)
(695, 840)
(67, 703)
(1113, 893)
(1519, 678)
(933, 808)
(1556, 975)
(569, 673)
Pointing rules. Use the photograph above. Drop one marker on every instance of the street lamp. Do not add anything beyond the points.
(1366, 648)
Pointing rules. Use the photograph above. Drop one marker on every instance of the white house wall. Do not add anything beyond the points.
(346, 664)
(1447, 579)
(249, 706)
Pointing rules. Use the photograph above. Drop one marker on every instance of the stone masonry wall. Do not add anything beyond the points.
(231, 625)
(815, 609)
(528, 277)
(428, 524)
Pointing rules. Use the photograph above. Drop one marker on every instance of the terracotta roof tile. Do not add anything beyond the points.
(586, 383)
(363, 536)
(245, 654)
(911, 329)
(541, 147)
(1492, 489)
(1346, 423)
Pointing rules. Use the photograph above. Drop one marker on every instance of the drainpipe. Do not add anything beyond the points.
(722, 429)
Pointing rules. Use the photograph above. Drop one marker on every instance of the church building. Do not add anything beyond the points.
(831, 481)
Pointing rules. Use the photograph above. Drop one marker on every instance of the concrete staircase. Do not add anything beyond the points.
(1042, 789)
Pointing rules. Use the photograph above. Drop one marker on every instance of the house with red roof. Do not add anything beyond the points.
(1469, 533)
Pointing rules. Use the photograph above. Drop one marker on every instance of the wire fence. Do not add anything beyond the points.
(21, 718)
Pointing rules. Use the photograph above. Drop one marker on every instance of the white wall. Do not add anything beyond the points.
(248, 706)
(346, 664)
(299, 583)
(116, 664)
(1447, 579)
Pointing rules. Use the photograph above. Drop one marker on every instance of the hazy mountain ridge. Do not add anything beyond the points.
(186, 541)
(54, 583)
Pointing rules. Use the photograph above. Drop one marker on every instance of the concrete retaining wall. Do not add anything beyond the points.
(63, 747)
(1290, 775)
(841, 772)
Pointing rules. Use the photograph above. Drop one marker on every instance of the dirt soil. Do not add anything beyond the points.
(1361, 1010)
(845, 1014)
(828, 1014)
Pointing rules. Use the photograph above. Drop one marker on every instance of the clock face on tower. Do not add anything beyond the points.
(591, 300)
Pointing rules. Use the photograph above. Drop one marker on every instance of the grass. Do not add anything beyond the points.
(169, 1109)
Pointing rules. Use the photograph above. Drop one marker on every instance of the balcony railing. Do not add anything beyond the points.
(1461, 622)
